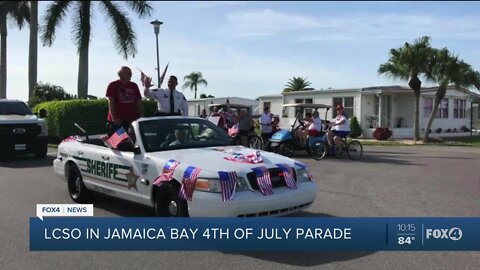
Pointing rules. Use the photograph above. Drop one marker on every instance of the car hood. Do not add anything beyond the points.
(23, 119)
(213, 159)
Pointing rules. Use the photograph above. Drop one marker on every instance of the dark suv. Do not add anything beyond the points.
(21, 131)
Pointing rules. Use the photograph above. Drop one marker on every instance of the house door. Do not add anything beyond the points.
(386, 114)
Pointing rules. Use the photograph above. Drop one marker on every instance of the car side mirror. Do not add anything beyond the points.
(42, 113)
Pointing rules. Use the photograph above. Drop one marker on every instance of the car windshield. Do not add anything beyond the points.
(181, 133)
(9, 108)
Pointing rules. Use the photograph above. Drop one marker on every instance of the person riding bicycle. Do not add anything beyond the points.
(340, 128)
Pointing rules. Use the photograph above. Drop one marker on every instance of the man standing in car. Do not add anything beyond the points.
(169, 101)
(124, 101)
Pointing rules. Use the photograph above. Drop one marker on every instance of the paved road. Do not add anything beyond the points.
(389, 181)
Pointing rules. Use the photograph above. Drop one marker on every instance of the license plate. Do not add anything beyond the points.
(274, 144)
(20, 147)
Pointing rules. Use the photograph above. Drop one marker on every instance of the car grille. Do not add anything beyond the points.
(30, 130)
(276, 175)
(277, 212)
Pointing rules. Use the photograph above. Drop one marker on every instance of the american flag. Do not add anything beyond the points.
(228, 182)
(167, 173)
(71, 139)
(288, 175)
(303, 166)
(117, 137)
(255, 157)
(263, 180)
(188, 182)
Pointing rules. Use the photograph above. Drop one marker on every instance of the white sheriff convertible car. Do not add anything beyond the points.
(185, 166)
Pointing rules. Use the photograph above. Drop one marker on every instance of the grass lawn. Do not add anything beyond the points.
(470, 141)
(454, 141)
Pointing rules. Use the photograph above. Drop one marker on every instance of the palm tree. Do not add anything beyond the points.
(408, 63)
(33, 48)
(193, 80)
(447, 69)
(19, 12)
(297, 84)
(121, 27)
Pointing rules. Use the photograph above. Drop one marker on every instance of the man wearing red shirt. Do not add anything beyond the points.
(124, 101)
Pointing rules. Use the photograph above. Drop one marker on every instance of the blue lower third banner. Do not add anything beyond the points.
(255, 234)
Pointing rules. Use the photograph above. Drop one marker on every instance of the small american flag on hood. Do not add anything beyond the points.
(188, 182)
(263, 180)
(167, 173)
(288, 175)
(228, 182)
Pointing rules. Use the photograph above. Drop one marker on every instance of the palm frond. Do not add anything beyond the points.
(142, 8)
(120, 25)
(54, 15)
(21, 13)
(81, 25)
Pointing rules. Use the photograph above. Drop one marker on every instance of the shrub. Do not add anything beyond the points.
(465, 129)
(448, 130)
(382, 134)
(90, 114)
(355, 128)
(438, 130)
(44, 92)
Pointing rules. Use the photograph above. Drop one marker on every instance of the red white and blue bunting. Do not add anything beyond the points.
(228, 182)
(288, 175)
(188, 182)
(167, 174)
(263, 180)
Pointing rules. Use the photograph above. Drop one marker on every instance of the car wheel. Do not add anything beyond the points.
(286, 149)
(77, 190)
(255, 142)
(168, 203)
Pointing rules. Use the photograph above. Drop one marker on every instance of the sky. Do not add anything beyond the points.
(249, 49)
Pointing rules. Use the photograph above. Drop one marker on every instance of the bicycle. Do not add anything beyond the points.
(354, 148)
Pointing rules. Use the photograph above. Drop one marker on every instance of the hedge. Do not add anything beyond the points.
(90, 114)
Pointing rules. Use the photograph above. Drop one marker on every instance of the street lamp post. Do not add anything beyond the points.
(156, 27)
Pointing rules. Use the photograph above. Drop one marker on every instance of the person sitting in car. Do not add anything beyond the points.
(179, 137)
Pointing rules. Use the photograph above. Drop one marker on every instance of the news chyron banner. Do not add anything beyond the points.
(252, 234)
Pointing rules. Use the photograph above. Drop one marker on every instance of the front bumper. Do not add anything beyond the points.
(14, 145)
(284, 201)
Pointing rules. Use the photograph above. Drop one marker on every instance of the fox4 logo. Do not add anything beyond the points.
(454, 233)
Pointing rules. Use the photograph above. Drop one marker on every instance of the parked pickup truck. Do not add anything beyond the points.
(21, 131)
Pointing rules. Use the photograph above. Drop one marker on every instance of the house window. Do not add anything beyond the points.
(300, 110)
(346, 102)
(459, 107)
(442, 111)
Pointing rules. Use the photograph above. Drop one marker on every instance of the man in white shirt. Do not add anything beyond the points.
(266, 119)
(315, 127)
(340, 128)
(169, 101)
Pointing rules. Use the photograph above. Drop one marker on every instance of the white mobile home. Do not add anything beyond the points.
(386, 106)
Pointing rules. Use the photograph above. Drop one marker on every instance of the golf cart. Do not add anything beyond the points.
(254, 141)
(284, 141)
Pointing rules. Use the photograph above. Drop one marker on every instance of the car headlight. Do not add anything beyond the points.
(303, 175)
(43, 129)
(213, 185)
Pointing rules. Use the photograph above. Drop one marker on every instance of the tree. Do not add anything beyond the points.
(409, 63)
(447, 69)
(47, 92)
(193, 80)
(355, 128)
(206, 96)
(297, 84)
(19, 13)
(121, 27)
(33, 48)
